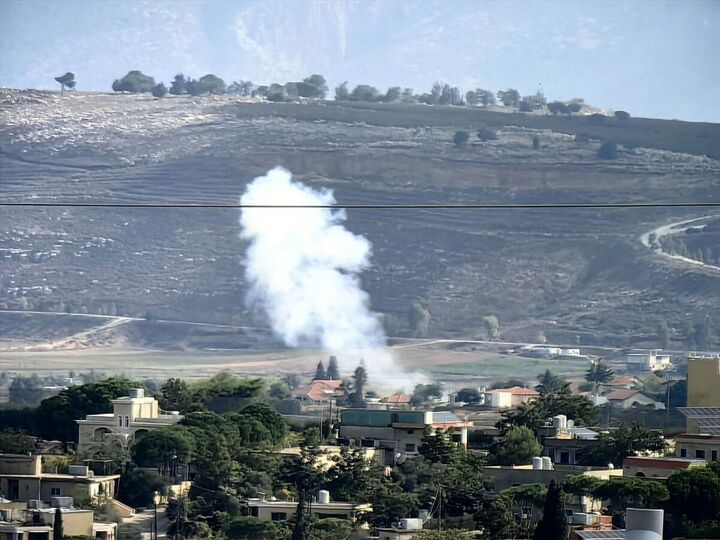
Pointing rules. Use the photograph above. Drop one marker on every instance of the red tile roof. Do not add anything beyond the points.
(518, 391)
(399, 399)
(319, 390)
(622, 394)
(620, 380)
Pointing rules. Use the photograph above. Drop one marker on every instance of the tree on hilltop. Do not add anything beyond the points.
(66, 80)
(135, 81)
(159, 90)
(509, 97)
(179, 85)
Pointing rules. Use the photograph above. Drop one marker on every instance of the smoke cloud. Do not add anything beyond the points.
(303, 268)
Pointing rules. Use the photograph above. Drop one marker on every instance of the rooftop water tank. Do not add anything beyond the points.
(323, 496)
(643, 524)
(547, 463)
(537, 463)
(560, 421)
(136, 393)
(411, 524)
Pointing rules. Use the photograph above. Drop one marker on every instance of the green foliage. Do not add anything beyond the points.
(443, 535)
(159, 90)
(209, 84)
(359, 380)
(314, 86)
(305, 477)
(135, 81)
(364, 92)
(418, 319)
(598, 374)
(223, 392)
(487, 134)
(67, 80)
(551, 383)
(461, 138)
(534, 414)
(554, 524)
(530, 496)
(13, 441)
(176, 396)
(491, 325)
(622, 115)
(614, 447)
(694, 494)
(624, 493)
(390, 503)
(509, 97)
(518, 447)
(58, 530)
(137, 487)
(252, 528)
(275, 424)
(608, 150)
(342, 93)
(496, 519)
(437, 446)
(333, 370)
(320, 373)
(351, 476)
(179, 85)
(158, 448)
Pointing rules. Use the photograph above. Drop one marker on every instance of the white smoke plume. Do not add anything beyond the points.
(302, 266)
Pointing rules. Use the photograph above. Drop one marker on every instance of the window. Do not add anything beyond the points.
(278, 516)
(564, 458)
(254, 511)
(55, 492)
(683, 452)
(411, 431)
(714, 455)
(456, 437)
(409, 447)
(127, 421)
(119, 421)
(700, 454)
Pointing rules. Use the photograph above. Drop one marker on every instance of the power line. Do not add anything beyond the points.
(381, 206)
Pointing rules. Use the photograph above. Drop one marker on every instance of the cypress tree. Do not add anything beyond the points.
(58, 533)
(320, 373)
(554, 524)
(333, 372)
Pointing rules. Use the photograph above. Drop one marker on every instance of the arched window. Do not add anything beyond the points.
(100, 434)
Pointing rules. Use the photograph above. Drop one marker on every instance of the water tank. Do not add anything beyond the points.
(78, 470)
(643, 524)
(323, 496)
(537, 463)
(547, 463)
(136, 393)
(411, 524)
(570, 424)
(560, 421)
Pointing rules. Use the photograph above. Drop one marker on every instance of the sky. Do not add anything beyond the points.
(651, 58)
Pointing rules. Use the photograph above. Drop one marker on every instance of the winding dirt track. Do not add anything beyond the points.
(674, 228)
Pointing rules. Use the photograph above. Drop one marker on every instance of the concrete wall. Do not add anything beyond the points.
(703, 382)
(20, 464)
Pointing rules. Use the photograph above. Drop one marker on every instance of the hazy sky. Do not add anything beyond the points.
(658, 59)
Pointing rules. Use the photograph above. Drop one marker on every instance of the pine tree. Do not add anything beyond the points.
(58, 533)
(554, 524)
(333, 372)
(320, 373)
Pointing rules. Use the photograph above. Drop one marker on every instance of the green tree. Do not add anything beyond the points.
(159, 90)
(487, 134)
(351, 476)
(273, 422)
(496, 519)
(359, 380)
(554, 524)
(631, 492)
(177, 396)
(13, 441)
(419, 319)
(472, 99)
(551, 383)
(135, 81)
(622, 115)
(342, 93)
(137, 487)
(436, 446)
(486, 97)
(527, 496)
(694, 494)
(608, 150)
(461, 138)
(518, 447)
(211, 84)
(320, 373)
(305, 477)
(509, 97)
(333, 371)
(598, 374)
(58, 530)
(314, 86)
(66, 80)
(582, 486)
(491, 325)
(615, 446)
(535, 413)
(179, 85)
(364, 92)
(161, 447)
(252, 528)
(390, 503)
(443, 535)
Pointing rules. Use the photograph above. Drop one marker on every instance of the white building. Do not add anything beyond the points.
(649, 361)
(132, 417)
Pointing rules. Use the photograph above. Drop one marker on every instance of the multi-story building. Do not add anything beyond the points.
(24, 523)
(397, 433)
(698, 446)
(273, 509)
(647, 361)
(703, 381)
(22, 479)
(505, 398)
(132, 417)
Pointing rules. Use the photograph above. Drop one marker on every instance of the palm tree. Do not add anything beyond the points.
(598, 374)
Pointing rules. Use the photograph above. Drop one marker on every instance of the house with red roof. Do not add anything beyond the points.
(628, 398)
(319, 392)
(506, 398)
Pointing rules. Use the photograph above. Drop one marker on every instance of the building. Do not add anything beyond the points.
(23, 523)
(506, 398)
(318, 392)
(564, 443)
(399, 401)
(132, 417)
(703, 381)
(649, 361)
(539, 472)
(273, 509)
(658, 467)
(22, 479)
(629, 399)
(406, 529)
(698, 446)
(397, 433)
(627, 382)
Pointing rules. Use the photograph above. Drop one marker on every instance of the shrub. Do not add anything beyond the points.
(536, 142)
(135, 81)
(622, 115)
(159, 91)
(597, 118)
(461, 138)
(608, 150)
(487, 134)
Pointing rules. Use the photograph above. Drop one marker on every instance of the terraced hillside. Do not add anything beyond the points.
(571, 274)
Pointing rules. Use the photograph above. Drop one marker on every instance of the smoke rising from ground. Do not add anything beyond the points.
(302, 266)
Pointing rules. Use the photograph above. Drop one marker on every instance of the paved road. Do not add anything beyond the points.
(146, 520)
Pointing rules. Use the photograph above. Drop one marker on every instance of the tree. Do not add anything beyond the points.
(58, 530)
(159, 90)
(486, 97)
(252, 528)
(390, 503)
(509, 97)
(13, 441)
(554, 524)
(614, 447)
(314, 86)
(437, 446)
(551, 383)
(359, 380)
(536, 142)
(472, 99)
(351, 476)
(492, 327)
(333, 371)
(461, 138)
(487, 134)
(608, 150)
(364, 92)
(443, 535)
(394, 93)
(341, 92)
(419, 319)
(631, 492)
(582, 486)
(161, 447)
(177, 396)
(496, 519)
(535, 413)
(273, 422)
(66, 80)
(137, 487)
(694, 494)
(211, 84)
(598, 374)
(179, 85)
(557, 107)
(320, 373)
(622, 115)
(305, 477)
(518, 447)
(527, 496)
(135, 81)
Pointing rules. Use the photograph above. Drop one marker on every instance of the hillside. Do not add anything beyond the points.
(572, 275)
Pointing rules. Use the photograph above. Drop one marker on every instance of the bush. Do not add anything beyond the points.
(536, 142)
(461, 138)
(135, 81)
(622, 115)
(597, 118)
(487, 134)
(159, 91)
(608, 150)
